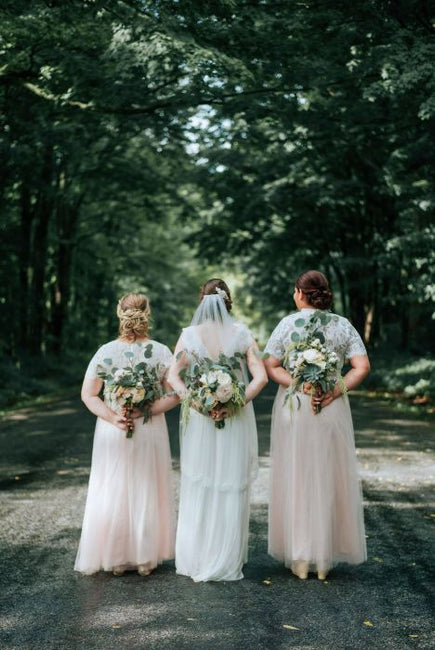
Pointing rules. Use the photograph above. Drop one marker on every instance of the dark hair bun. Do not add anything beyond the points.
(316, 289)
(320, 298)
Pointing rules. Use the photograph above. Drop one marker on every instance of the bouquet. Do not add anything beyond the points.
(308, 359)
(213, 384)
(134, 386)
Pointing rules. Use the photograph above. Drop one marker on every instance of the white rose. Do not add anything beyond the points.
(212, 377)
(224, 393)
(310, 355)
(223, 378)
(203, 379)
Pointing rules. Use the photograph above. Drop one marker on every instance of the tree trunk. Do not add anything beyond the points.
(39, 257)
(24, 263)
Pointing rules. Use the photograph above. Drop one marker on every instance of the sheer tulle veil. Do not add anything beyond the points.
(214, 324)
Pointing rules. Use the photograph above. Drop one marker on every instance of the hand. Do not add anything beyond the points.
(219, 413)
(133, 414)
(119, 421)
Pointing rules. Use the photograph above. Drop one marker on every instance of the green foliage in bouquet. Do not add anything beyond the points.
(133, 386)
(212, 385)
(308, 359)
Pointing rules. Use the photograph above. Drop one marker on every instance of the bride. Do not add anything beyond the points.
(217, 464)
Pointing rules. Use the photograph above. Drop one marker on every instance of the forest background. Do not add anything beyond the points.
(149, 145)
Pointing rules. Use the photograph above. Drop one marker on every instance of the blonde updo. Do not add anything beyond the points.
(134, 313)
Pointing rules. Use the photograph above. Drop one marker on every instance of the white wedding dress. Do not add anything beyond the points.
(129, 514)
(217, 467)
(315, 512)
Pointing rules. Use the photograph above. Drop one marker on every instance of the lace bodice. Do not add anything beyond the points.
(340, 336)
(114, 351)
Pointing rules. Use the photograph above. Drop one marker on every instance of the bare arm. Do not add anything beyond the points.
(277, 373)
(360, 369)
(258, 372)
(165, 403)
(179, 362)
(90, 389)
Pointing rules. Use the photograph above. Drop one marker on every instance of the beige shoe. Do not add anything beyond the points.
(322, 575)
(144, 569)
(300, 569)
(118, 570)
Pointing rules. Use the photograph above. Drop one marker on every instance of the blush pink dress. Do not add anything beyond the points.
(315, 513)
(129, 514)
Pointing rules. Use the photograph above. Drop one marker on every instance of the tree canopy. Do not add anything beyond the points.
(143, 142)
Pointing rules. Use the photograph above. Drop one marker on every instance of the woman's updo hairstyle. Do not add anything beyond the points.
(315, 287)
(134, 314)
(210, 287)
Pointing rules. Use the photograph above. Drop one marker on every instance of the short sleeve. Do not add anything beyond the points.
(276, 343)
(245, 338)
(354, 343)
(165, 360)
(93, 367)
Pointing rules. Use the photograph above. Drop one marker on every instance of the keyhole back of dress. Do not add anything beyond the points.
(215, 338)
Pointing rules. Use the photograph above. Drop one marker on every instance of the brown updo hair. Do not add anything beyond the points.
(315, 287)
(210, 287)
(134, 313)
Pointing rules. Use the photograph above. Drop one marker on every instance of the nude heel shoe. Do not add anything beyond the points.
(300, 569)
(144, 569)
(118, 570)
(322, 575)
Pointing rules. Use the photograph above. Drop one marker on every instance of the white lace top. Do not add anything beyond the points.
(340, 336)
(112, 354)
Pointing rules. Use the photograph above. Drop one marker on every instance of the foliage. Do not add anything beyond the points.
(142, 141)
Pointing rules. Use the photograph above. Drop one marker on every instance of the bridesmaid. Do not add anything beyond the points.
(315, 515)
(128, 521)
(217, 465)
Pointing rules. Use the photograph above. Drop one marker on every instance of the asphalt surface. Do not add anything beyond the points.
(384, 603)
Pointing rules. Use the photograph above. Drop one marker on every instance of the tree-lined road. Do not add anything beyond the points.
(385, 603)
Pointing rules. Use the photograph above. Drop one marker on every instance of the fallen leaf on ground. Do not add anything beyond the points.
(290, 627)
(368, 623)
(116, 625)
(413, 636)
(267, 582)
(378, 559)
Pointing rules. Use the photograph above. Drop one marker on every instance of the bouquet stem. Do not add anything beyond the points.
(130, 427)
(318, 392)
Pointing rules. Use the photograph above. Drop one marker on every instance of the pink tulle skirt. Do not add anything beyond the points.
(316, 513)
(129, 514)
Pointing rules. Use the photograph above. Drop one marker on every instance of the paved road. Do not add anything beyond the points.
(385, 603)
